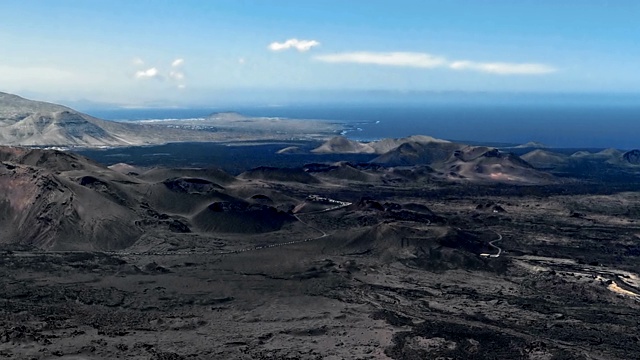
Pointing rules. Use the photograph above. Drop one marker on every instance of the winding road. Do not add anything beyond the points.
(493, 245)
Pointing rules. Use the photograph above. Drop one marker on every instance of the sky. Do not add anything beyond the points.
(144, 53)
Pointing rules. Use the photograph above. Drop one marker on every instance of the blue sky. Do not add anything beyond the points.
(179, 52)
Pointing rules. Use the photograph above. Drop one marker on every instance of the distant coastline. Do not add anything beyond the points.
(598, 126)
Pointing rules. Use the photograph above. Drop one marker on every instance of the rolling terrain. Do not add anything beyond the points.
(330, 259)
(452, 161)
(403, 248)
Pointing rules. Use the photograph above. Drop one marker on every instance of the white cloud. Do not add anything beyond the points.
(137, 61)
(177, 63)
(241, 61)
(300, 45)
(409, 59)
(424, 60)
(176, 75)
(147, 74)
(503, 68)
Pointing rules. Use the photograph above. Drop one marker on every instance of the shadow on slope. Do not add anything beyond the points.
(241, 217)
(434, 249)
(279, 174)
(48, 211)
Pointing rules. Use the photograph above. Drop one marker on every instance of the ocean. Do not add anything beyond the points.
(555, 125)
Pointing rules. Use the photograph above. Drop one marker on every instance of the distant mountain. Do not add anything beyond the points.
(607, 156)
(340, 170)
(417, 153)
(490, 164)
(532, 145)
(543, 159)
(342, 145)
(27, 122)
(385, 145)
(583, 161)
(604, 154)
(227, 115)
(457, 161)
(35, 123)
(449, 160)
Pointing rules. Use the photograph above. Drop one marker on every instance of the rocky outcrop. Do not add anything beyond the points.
(632, 157)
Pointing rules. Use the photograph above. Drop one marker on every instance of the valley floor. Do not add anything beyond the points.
(383, 284)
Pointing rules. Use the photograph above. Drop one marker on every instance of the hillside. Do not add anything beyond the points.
(342, 145)
(48, 199)
(57, 200)
(415, 153)
(632, 157)
(26, 122)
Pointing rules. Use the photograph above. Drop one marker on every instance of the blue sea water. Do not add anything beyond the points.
(556, 125)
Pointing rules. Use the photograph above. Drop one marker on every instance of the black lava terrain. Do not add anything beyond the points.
(321, 259)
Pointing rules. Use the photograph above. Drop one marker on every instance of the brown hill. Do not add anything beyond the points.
(49, 210)
(386, 145)
(342, 145)
(544, 159)
(455, 161)
(488, 164)
(342, 171)
(417, 153)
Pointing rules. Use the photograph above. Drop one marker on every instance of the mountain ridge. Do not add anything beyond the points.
(36, 123)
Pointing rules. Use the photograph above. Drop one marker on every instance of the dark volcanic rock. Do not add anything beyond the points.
(178, 226)
(369, 203)
(241, 217)
(577, 215)
(463, 240)
(191, 185)
(280, 174)
(632, 157)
